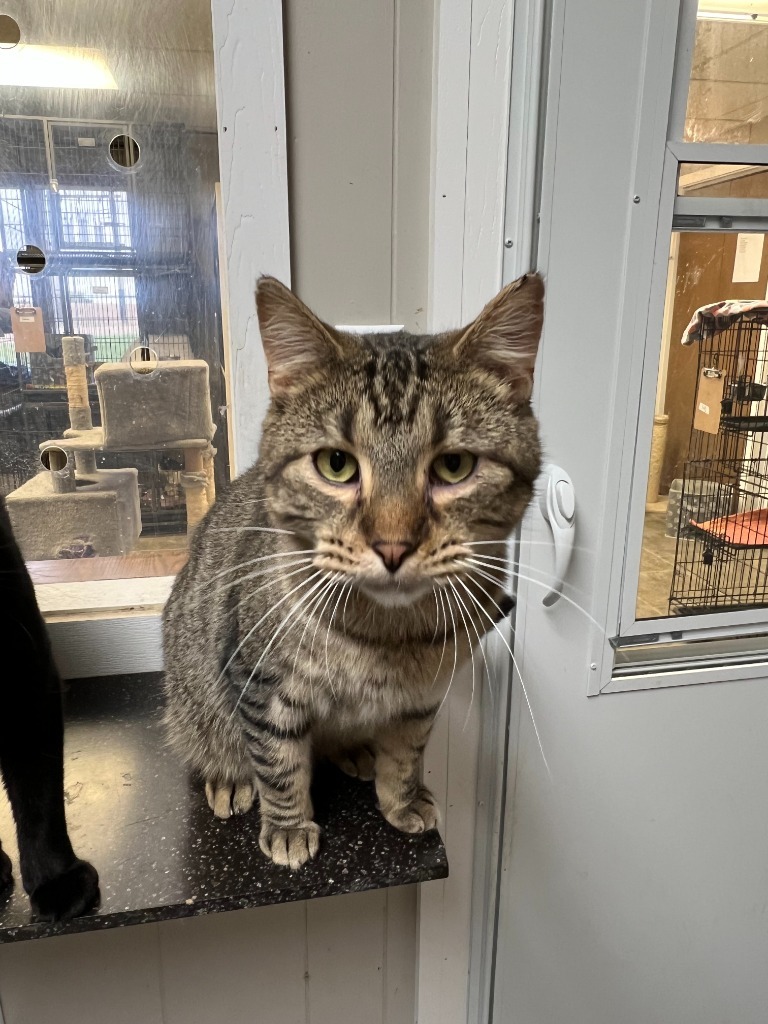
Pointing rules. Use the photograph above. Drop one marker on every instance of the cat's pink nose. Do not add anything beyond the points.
(392, 553)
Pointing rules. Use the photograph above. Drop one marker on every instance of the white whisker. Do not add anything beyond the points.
(262, 558)
(488, 674)
(537, 583)
(256, 625)
(203, 591)
(291, 612)
(455, 654)
(309, 615)
(269, 582)
(314, 635)
(461, 607)
(439, 593)
(514, 662)
(255, 529)
(328, 631)
(346, 602)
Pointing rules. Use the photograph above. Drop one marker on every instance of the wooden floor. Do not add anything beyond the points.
(137, 565)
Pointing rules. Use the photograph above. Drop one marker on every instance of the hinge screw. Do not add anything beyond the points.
(635, 199)
(508, 243)
(593, 666)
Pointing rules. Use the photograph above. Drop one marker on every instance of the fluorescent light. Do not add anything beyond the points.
(54, 67)
(755, 11)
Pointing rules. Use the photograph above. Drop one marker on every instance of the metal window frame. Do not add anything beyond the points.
(660, 212)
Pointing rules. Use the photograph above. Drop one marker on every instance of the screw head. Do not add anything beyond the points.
(593, 666)
(508, 243)
(635, 199)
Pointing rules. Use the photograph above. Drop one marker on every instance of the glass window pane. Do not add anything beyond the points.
(705, 542)
(728, 93)
(111, 349)
(735, 181)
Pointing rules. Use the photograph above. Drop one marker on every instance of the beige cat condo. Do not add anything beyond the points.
(146, 404)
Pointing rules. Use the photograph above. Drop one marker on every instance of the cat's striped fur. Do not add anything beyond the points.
(317, 618)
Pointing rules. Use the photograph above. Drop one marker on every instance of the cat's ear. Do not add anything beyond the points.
(505, 336)
(295, 341)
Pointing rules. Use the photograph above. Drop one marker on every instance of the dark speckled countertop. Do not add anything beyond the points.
(158, 849)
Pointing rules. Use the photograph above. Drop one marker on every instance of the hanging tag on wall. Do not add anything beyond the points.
(28, 331)
(709, 399)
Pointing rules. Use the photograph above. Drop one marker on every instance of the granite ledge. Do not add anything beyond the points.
(160, 852)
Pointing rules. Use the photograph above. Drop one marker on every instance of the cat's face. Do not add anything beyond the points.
(393, 456)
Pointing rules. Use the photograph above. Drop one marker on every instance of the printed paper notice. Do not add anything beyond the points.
(749, 256)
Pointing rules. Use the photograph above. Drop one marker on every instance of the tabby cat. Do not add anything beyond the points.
(332, 592)
(60, 885)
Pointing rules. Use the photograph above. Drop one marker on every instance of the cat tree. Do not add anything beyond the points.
(145, 405)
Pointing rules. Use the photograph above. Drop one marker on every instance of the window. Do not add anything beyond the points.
(698, 553)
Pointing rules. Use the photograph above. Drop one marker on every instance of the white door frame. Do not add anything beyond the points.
(485, 101)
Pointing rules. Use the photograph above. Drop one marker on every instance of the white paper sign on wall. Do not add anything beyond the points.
(749, 257)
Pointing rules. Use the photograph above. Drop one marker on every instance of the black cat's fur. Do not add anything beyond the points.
(59, 884)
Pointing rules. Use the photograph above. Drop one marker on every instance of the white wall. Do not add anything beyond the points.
(343, 959)
(359, 135)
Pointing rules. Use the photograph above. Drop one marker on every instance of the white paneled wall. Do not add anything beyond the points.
(342, 960)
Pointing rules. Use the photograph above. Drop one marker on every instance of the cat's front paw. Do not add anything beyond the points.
(420, 815)
(67, 895)
(228, 798)
(290, 847)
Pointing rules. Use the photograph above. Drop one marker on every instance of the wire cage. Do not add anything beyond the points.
(721, 557)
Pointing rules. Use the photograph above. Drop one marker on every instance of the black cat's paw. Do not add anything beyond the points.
(6, 872)
(67, 895)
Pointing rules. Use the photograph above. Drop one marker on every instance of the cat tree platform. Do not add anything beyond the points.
(160, 852)
(197, 478)
(101, 513)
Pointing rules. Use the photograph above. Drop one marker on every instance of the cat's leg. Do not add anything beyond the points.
(358, 761)
(60, 885)
(283, 766)
(403, 800)
(276, 725)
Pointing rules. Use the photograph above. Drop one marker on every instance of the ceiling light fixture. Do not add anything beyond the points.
(55, 67)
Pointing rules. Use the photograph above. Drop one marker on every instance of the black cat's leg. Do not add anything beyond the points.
(31, 757)
(32, 749)
(6, 871)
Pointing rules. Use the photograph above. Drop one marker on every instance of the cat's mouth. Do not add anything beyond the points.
(393, 592)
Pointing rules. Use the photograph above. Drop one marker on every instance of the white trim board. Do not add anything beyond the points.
(248, 61)
(471, 99)
(93, 596)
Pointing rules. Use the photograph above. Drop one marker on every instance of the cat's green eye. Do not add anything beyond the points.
(337, 466)
(453, 467)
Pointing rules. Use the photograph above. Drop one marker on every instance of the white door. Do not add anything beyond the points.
(634, 875)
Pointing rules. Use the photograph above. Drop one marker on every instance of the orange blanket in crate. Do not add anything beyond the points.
(744, 530)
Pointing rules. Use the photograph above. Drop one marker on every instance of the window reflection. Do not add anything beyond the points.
(728, 93)
(108, 243)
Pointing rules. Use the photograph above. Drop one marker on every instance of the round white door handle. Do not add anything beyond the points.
(557, 502)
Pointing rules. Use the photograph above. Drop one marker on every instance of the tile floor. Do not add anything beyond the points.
(656, 566)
